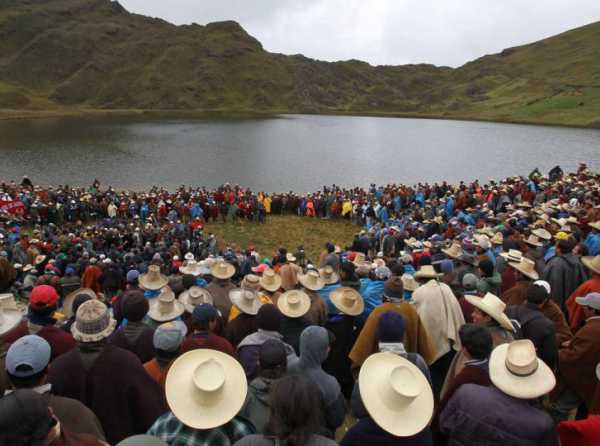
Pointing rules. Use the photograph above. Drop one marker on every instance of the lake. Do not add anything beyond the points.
(299, 152)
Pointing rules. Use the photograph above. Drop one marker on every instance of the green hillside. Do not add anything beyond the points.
(73, 55)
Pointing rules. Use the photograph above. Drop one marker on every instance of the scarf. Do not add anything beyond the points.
(397, 348)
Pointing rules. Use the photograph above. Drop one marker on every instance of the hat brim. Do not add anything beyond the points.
(227, 275)
(10, 319)
(247, 306)
(184, 298)
(273, 286)
(533, 275)
(502, 319)
(296, 311)
(67, 306)
(303, 279)
(588, 263)
(451, 254)
(337, 299)
(212, 410)
(335, 278)
(541, 382)
(155, 315)
(85, 337)
(415, 414)
(153, 284)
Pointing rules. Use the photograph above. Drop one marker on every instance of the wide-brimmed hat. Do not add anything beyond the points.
(493, 307)
(251, 281)
(93, 322)
(497, 239)
(195, 296)
(526, 267)
(205, 388)
(311, 280)
(427, 272)
(454, 251)
(191, 267)
(39, 259)
(246, 300)
(67, 306)
(513, 255)
(595, 225)
(153, 279)
(396, 394)
(222, 270)
(10, 316)
(329, 275)
(533, 240)
(542, 233)
(409, 283)
(348, 301)
(270, 280)
(592, 263)
(165, 307)
(290, 257)
(360, 259)
(294, 303)
(516, 370)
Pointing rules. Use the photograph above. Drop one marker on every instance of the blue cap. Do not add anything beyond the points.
(133, 275)
(204, 313)
(169, 336)
(32, 351)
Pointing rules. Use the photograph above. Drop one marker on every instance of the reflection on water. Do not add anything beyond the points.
(300, 153)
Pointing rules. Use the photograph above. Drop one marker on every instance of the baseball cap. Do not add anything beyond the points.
(591, 300)
(272, 354)
(561, 236)
(133, 275)
(43, 296)
(169, 336)
(31, 351)
(204, 313)
(260, 268)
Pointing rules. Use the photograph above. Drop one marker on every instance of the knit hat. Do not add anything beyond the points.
(390, 327)
(135, 306)
(272, 354)
(204, 313)
(268, 318)
(43, 296)
(470, 281)
(393, 288)
(169, 336)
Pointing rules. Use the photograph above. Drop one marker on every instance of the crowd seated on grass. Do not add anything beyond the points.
(463, 314)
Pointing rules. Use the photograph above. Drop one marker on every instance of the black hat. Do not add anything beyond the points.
(135, 306)
(272, 354)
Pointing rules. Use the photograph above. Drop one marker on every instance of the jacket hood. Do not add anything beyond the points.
(314, 345)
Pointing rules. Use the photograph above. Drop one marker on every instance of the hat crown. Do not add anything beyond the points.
(293, 298)
(521, 358)
(404, 382)
(209, 376)
(494, 303)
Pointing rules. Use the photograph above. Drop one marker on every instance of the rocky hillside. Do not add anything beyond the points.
(93, 54)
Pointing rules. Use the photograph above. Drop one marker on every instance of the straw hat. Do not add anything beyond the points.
(516, 370)
(294, 303)
(251, 281)
(454, 252)
(153, 279)
(290, 257)
(409, 283)
(595, 225)
(396, 394)
(270, 280)
(165, 307)
(10, 316)
(246, 300)
(526, 267)
(497, 239)
(360, 259)
(513, 255)
(348, 301)
(493, 307)
(205, 388)
(533, 241)
(39, 260)
(93, 322)
(329, 275)
(195, 296)
(67, 306)
(311, 280)
(427, 272)
(191, 267)
(542, 233)
(592, 263)
(222, 270)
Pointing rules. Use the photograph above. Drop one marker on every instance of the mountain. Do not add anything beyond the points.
(65, 55)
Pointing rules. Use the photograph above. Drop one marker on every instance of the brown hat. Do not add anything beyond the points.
(393, 288)
(328, 275)
(348, 301)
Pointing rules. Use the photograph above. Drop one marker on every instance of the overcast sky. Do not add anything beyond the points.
(442, 32)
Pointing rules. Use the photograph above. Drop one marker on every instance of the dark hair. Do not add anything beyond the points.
(26, 382)
(295, 412)
(566, 246)
(477, 340)
(348, 269)
(397, 269)
(330, 247)
(24, 419)
(487, 267)
(166, 354)
(188, 281)
(537, 294)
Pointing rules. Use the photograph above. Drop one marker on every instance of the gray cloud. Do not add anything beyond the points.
(442, 32)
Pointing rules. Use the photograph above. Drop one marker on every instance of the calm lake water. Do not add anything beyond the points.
(300, 153)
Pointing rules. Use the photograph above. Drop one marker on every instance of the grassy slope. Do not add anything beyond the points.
(69, 55)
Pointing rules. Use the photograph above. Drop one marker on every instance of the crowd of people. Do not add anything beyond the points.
(463, 314)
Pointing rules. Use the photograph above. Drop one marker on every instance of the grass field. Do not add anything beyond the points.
(285, 231)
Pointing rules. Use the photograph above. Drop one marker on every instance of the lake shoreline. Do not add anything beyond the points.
(10, 114)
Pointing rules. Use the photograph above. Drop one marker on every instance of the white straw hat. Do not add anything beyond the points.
(493, 307)
(347, 300)
(67, 306)
(270, 280)
(222, 270)
(526, 267)
(592, 263)
(205, 388)
(165, 307)
(246, 300)
(427, 272)
(191, 267)
(195, 296)
(311, 280)
(513, 255)
(517, 371)
(294, 303)
(328, 275)
(153, 279)
(396, 394)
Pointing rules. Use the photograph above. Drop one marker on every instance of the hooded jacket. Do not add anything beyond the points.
(564, 273)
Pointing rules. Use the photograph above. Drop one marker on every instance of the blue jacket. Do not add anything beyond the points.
(592, 241)
(372, 293)
(325, 295)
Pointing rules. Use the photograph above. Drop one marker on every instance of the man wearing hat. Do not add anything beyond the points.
(499, 415)
(167, 340)
(26, 365)
(247, 302)
(220, 287)
(204, 323)
(43, 304)
(577, 362)
(575, 311)
(109, 380)
(416, 337)
(206, 390)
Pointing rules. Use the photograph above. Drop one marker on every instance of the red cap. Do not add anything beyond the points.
(43, 296)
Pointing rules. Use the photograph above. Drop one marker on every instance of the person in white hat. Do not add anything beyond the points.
(575, 311)
(499, 415)
(220, 287)
(205, 391)
(577, 361)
